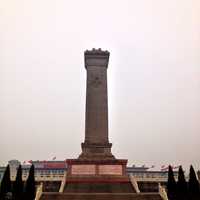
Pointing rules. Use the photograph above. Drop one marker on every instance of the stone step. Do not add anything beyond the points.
(99, 188)
(100, 196)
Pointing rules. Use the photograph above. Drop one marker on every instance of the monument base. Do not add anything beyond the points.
(96, 151)
(97, 176)
(103, 167)
(99, 180)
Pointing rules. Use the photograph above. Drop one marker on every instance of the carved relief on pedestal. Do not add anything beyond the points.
(110, 169)
(83, 169)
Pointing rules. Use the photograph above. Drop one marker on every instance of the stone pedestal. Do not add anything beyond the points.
(97, 174)
(96, 165)
(96, 168)
(96, 151)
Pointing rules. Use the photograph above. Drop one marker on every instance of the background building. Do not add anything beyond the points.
(52, 173)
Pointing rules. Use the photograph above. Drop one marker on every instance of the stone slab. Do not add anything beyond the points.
(77, 169)
(97, 179)
(100, 196)
(96, 167)
(110, 169)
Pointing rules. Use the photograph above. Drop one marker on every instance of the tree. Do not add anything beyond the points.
(5, 188)
(198, 174)
(182, 189)
(18, 185)
(30, 188)
(193, 185)
(171, 185)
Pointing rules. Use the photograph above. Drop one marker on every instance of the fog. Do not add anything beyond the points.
(153, 78)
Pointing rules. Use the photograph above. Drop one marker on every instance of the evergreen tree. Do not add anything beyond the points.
(18, 185)
(193, 185)
(30, 188)
(5, 188)
(171, 185)
(198, 174)
(182, 189)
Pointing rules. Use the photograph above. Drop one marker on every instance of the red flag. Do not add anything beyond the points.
(176, 167)
(54, 158)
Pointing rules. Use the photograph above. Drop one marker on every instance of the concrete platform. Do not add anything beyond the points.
(100, 196)
(99, 188)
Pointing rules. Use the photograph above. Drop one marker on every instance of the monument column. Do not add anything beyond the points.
(96, 164)
(96, 144)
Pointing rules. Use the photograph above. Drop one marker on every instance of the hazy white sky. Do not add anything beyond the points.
(153, 78)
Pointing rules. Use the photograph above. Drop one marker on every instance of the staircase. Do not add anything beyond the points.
(99, 188)
(100, 196)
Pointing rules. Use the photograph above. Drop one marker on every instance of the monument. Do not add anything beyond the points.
(96, 174)
(96, 144)
(96, 157)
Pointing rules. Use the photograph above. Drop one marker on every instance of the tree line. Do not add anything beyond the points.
(18, 190)
(181, 189)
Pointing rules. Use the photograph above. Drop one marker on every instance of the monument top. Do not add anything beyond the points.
(96, 57)
(96, 51)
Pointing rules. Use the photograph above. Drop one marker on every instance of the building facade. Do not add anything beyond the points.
(55, 170)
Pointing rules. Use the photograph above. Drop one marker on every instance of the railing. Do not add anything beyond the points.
(162, 192)
(62, 186)
(45, 178)
(151, 179)
(134, 183)
(39, 192)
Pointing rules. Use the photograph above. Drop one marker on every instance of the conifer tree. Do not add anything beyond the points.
(193, 185)
(18, 185)
(182, 189)
(198, 174)
(5, 187)
(171, 185)
(30, 188)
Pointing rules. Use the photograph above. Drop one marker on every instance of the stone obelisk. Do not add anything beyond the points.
(96, 174)
(96, 144)
(96, 159)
